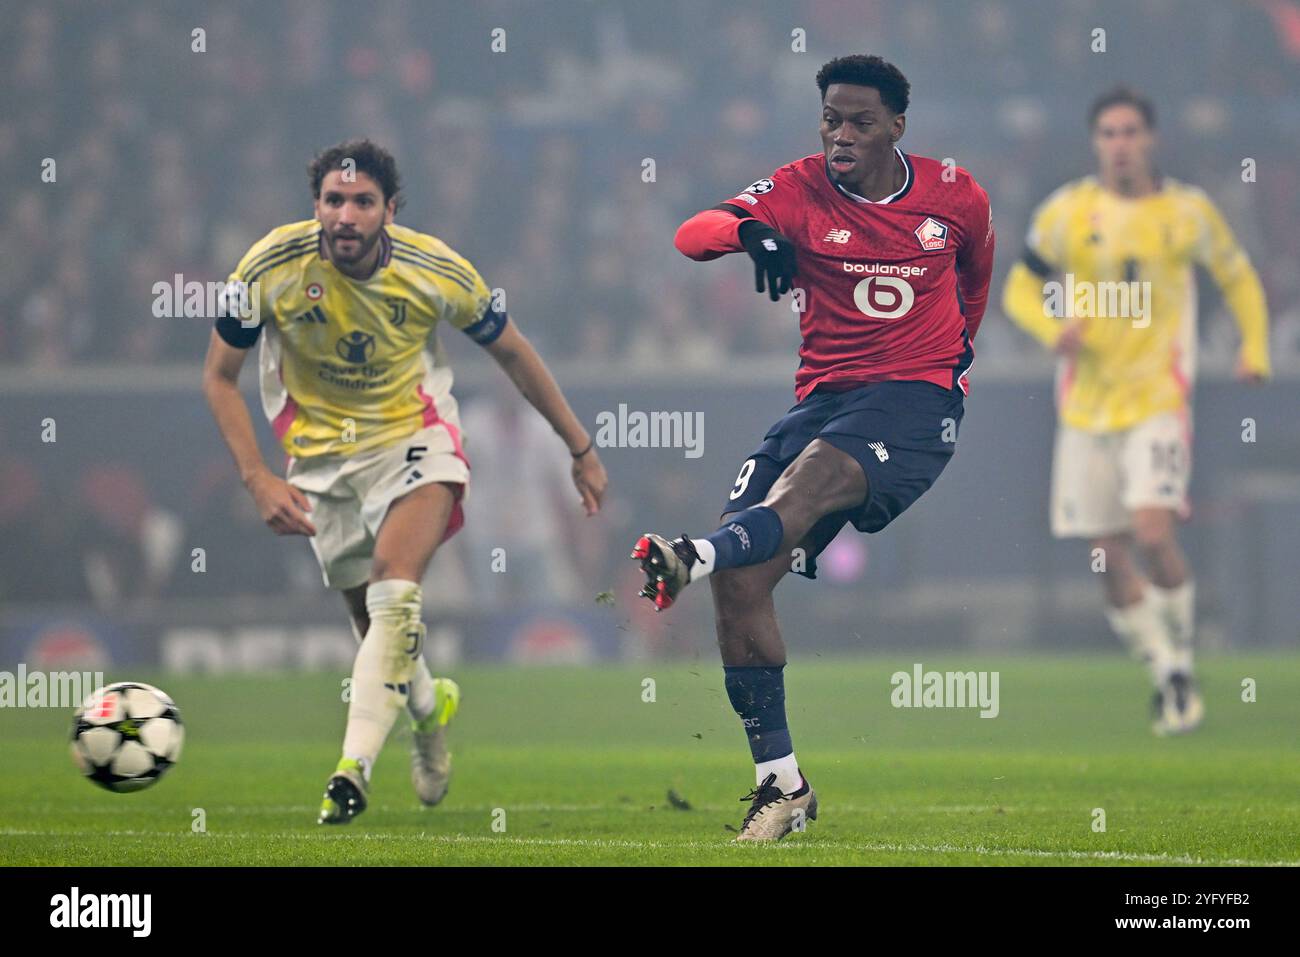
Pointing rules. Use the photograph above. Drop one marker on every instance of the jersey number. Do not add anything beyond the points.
(742, 480)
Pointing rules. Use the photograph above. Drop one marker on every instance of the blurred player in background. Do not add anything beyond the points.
(506, 433)
(358, 391)
(893, 253)
(1123, 446)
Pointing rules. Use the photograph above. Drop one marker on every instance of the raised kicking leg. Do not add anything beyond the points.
(821, 481)
(387, 661)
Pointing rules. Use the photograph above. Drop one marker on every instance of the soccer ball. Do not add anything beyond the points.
(126, 735)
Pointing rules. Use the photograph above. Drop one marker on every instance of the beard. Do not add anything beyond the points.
(364, 245)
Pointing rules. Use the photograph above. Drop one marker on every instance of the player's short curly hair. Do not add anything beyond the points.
(862, 70)
(370, 158)
(1122, 96)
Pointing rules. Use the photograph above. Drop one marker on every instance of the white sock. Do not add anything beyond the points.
(1178, 605)
(384, 667)
(420, 701)
(1142, 629)
(707, 556)
(786, 769)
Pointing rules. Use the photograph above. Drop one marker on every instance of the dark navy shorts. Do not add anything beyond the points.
(901, 433)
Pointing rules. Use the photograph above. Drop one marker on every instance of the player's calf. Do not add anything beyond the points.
(781, 797)
(381, 679)
(1155, 534)
(1156, 624)
(744, 614)
(432, 703)
(1155, 531)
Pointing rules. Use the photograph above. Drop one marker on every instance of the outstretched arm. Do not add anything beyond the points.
(526, 369)
(728, 229)
(711, 233)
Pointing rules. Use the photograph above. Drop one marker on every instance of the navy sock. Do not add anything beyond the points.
(751, 536)
(758, 696)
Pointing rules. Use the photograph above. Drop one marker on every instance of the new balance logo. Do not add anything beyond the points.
(313, 314)
(840, 236)
(879, 449)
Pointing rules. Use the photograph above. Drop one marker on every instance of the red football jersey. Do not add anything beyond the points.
(880, 281)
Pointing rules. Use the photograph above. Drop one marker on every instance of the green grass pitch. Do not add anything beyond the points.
(582, 767)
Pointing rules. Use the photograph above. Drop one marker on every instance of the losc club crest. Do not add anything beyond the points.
(356, 347)
(932, 235)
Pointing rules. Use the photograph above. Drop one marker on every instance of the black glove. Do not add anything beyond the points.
(773, 257)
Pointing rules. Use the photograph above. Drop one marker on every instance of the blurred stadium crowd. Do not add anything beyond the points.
(531, 162)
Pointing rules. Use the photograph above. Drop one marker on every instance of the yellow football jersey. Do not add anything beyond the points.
(1089, 249)
(347, 365)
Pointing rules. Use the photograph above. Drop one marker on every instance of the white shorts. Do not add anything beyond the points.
(1100, 478)
(350, 496)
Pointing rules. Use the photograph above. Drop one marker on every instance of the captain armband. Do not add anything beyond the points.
(487, 329)
(1037, 264)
